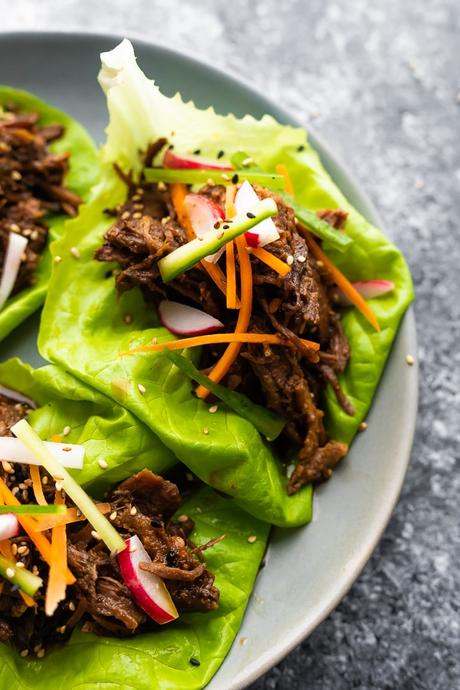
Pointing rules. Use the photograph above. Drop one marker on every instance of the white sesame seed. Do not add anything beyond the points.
(24, 652)
(213, 409)
(57, 259)
(132, 548)
(22, 550)
(45, 480)
(66, 431)
(37, 648)
(290, 260)
(165, 220)
(410, 360)
(319, 263)
(20, 564)
(75, 253)
(247, 161)
(224, 176)
(133, 510)
(9, 572)
(7, 467)
(61, 630)
(137, 215)
(14, 227)
(161, 187)
(34, 235)
(125, 215)
(219, 235)
(142, 389)
(113, 515)
(136, 197)
(301, 259)
(205, 431)
(15, 490)
(71, 606)
(128, 318)
(252, 539)
(210, 182)
(363, 426)
(16, 175)
(41, 653)
(95, 534)
(14, 549)
(102, 464)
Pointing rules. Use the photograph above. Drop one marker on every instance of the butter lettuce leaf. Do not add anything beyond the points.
(160, 659)
(83, 173)
(83, 326)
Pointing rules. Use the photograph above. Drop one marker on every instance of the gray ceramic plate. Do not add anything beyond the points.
(307, 570)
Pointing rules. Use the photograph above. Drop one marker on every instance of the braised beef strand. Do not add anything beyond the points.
(31, 186)
(290, 381)
(142, 505)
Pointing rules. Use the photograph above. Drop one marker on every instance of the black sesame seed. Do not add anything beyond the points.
(197, 152)
(250, 215)
(235, 178)
(301, 148)
(195, 662)
(108, 274)
(171, 146)
(225, 227)
(221, 154)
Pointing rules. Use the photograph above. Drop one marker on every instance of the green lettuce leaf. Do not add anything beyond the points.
(83, 173)
(160, 659)
(83, 326)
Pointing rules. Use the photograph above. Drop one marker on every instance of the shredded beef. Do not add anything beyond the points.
(142, 505)
(289, 379)
(31, 186)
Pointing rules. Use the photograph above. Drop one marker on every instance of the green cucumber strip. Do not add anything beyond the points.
(193, 176)
(33, 442)
(265, 421)
(23, 578)
(33, 509)
(185, 257)
(317, 226)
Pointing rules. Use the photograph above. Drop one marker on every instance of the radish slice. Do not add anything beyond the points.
(9, 526)
(178, 161)
(183, 320)
(368, 289)
(16, 247)
(67, 454)
(203, 214)
(14, 395)
(263, 233)
(148, 590)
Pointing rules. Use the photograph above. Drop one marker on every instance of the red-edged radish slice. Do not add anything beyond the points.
(204, 214)
(16, 247)
(148, 590)
(9, 526)
(263, 233)
(14, 395)
(189, 162)
(183, 320)
(368, 289)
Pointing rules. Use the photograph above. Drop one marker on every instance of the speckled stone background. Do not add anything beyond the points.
(380, 80)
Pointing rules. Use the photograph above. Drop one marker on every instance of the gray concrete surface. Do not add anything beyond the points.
(381, 82)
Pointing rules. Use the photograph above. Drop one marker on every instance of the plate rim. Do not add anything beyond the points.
(407, 327)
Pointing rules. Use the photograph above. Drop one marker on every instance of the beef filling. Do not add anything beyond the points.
(31, 186)
(300, 305)
(142, 505)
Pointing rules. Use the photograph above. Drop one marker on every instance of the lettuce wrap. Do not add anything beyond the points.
(159, 659)
(82, 175)
(84, 326)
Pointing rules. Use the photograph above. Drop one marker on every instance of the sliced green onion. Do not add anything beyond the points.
(33, 442)
(33, 509)
(265, 421)
(188, 255)
(316, 225)
(23, 578)
(193, 176)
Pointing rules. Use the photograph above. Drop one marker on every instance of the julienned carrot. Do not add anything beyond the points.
(343, 283)
(72, 515)
(218, 339)
(244, 317)
(230, 251)
(41, 542)
(281, 169)
(178, 193)
(56, 438)
(55, 591)
(37, 485)
(271, 260)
